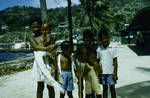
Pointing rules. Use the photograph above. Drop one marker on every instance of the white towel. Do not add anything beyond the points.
(41, 71)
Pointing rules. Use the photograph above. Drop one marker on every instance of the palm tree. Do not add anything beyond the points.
(99, 13)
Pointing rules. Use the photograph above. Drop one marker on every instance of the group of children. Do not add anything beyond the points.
(95, 64)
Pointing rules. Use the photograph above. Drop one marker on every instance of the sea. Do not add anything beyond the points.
(7, 56)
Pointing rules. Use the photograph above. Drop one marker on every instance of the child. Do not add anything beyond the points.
(108, 59)
(88, 39)
(35, 24)
(49, 58)
(66, 69)
(80, 62)
(91, 77)
(49, 42)
(40, 69)
(81, 58)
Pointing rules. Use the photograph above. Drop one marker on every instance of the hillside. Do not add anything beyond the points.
(17, 17)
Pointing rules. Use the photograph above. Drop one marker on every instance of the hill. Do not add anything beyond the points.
(17, 17)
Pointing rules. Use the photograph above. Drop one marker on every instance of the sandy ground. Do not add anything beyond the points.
(133, 72)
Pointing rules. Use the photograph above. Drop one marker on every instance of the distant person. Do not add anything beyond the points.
(107, 56)
(139, 39)
(41, 70)
(65, 69)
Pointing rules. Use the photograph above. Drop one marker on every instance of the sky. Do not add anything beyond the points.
(35, 3)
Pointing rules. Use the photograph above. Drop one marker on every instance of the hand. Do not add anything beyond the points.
(50, 47)
(97, 67)
(86, 70)
(115, 77)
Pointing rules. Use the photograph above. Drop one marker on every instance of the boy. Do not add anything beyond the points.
(66, 69)
(91, 77)
(40, 69)
(80, 62)
(88, 39)
(81, 58)
(108, 59)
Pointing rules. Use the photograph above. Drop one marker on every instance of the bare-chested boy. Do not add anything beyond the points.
(39, 70)
(66, 69)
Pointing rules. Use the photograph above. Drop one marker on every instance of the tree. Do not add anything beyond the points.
(99, 13)
(43, 10)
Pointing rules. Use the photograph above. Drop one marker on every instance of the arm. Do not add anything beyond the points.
(35, 45)
(115, 63)
(48, 42)
(97, 68)
(51, 47)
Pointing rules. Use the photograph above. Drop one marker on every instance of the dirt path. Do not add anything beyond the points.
(134, 79)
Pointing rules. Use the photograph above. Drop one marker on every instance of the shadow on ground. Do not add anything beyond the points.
(140, 51)
(143, 69)
(137, 90)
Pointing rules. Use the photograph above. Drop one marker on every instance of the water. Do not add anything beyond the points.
(6, 56)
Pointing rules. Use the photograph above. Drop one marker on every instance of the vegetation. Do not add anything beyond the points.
(90, 13)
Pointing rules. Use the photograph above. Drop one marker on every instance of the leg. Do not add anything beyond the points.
(105, 91)
(40, 88)
(80, 88)
(93, 95)
(99, 96)
(51, 91)
(69, 93)
(88, 96)
(69, 85)
(62, 95)
(113, 91)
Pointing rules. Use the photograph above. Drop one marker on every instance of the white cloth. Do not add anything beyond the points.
(106, 57)
(41, 71)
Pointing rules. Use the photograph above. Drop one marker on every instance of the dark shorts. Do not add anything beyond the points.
(107, 79)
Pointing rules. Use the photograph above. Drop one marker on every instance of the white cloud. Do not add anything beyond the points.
(53, 3)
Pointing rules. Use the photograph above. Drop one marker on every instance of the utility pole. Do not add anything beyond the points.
(70, 22)
(43, 10)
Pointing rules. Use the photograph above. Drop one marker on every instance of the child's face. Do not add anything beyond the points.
(67, 51)
(36, 28)
(45, 29)
(105, 41)
(82, 55)
(92, 58)
(87, 40)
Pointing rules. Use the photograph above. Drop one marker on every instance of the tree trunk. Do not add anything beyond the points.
(70, 22)
(43, 10)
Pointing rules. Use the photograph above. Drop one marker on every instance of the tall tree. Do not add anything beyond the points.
(99, 13)
(43, 10)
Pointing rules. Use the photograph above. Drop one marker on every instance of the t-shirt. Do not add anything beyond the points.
(106, 56)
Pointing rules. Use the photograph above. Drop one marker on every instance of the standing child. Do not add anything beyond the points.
(108, 59)
(81, 59)
(80, 62)
(91, 77)
(66, 68)
(40, 69)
